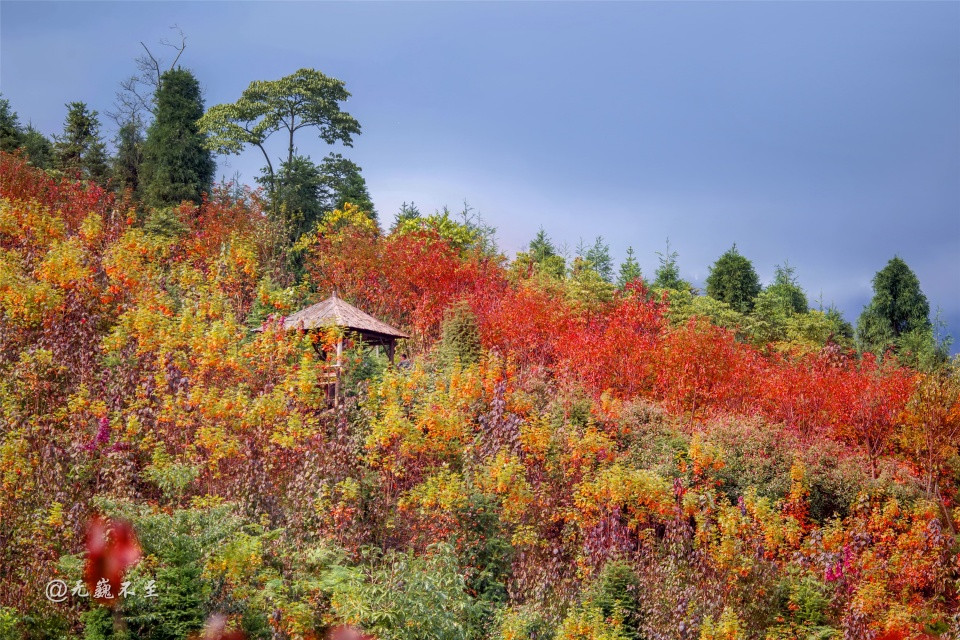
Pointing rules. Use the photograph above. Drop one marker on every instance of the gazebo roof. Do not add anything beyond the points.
(334, 312)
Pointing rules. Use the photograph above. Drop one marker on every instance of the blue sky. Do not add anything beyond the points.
(827, 134)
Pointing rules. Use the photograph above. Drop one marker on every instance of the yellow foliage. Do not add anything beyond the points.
(640, 493)
(728, 627)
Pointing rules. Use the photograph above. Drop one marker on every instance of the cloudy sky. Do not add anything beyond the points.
(826, 134)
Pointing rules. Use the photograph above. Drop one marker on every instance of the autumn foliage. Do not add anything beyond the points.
(600, 472)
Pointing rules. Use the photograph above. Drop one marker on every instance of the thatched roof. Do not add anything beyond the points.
(334, 312)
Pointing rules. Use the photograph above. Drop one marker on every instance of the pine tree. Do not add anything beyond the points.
(460, 343)
(667, 275)
(128, 163)
(733, 280)
(11, 133)
(545, 256)
(79, 151)
(38, 148)
(407, 212)
(598, 257)
(176, 166)
(898, 307)
(629, 270)
(787, 290)
(541, 247)
(341, 182)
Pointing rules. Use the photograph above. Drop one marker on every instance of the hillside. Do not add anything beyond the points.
(564, 458)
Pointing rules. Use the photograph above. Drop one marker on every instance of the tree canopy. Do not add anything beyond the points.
(177, 165)
(79, 151)
(304, 99)
(898, 307)
(733, 280)
(629, 270)
(667, 275)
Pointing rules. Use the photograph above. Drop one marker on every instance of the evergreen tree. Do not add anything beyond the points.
(843, 330)
(629, 270)
(598, 257)
(541, 247)
(304, 99)
(407, 212)
(787, 290)
(297, 192)
(38, 148)
(667, 275)
(11, 133)
(545, 256)
(79, 151)
(587, 286)
(733, 280)
(127, 164)
(460, 343)
(340, 183)
(177, 165)
(898, 307)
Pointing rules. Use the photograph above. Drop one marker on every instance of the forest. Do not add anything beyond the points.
(576, 450)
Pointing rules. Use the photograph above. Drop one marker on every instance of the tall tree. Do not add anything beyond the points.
(79, 150)
(787, 291)
(541, 247)
(406, 212)
(629, 270)
(304, 99)
(667, 275)
(341, 182)
(544, 254)
(598, 257)
(11, 133)
(298, 190)
(38, 148)
(177, 165)
(127, 164)
(733, 280)
(898, 307)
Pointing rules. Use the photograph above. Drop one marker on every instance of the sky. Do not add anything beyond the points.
(825, 134)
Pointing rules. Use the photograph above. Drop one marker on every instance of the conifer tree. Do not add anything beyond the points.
(341, 182)
(898, 308)
(733, 280)
(127, 164)
(38, 148)
(545, 256)
(598, 257)
(11, 134)
(667, 275)
(787, 290)
(629, 270)
(177, 165)
(79, 151)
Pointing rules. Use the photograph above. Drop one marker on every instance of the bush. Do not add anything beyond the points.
(460, 343)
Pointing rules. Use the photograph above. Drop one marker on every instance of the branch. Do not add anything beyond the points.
(180, 48)
(151, 62)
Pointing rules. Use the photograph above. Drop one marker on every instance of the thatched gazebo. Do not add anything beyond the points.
(335, 312)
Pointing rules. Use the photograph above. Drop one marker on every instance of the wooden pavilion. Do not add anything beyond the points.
(335, 312)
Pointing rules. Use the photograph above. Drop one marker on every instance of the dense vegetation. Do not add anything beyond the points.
(574, 453)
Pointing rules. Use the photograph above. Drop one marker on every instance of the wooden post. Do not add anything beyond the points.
(390, 348)
(336, 384)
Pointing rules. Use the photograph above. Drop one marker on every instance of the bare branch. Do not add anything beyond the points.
(135, 97)
(180, 48)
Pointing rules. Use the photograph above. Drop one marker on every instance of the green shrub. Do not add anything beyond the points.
(460, 343)
(616, 593)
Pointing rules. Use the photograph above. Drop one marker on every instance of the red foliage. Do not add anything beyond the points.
(112, 549)
(72, 200)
